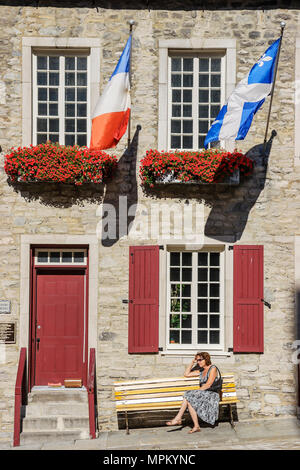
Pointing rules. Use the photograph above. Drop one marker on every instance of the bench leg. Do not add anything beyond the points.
(231, 415)
(126, 421)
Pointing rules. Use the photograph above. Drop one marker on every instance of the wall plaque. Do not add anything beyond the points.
(4, 306)
(7, 333)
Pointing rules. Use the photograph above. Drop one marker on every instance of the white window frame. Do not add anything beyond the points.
(196, 346)
(226, 47)
(60, 251)
(31, 45)
(195, 90)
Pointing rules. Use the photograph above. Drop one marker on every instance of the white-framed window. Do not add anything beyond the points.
(60, 86)
(61, 96)
(196, 76)
(60, 256)
(196, 92)
(195, 299)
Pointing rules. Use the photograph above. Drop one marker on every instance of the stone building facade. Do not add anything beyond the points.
(261, 210)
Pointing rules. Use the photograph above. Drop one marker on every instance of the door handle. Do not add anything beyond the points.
(38, 343)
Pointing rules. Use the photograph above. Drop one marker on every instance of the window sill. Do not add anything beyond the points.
(192, 353)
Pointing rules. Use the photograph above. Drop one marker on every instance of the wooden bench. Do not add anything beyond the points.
(166, 394)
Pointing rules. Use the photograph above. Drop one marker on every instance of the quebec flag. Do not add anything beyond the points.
(235, 118)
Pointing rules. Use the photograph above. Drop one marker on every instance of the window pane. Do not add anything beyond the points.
(203, 111)
(70, 79)
(81, 140)
(176, 126)
(203, 80)
(81, 125)
(202, 336)
(214, 321)
(53, 109)
(202, 290)
(187, 142)
(202, 321)
(176, 111)
(214, 337)
(41, 63)
(42, 94)
(175, 259)
(54, 257)
(70, 94)
(67, 257)
(202, 305)
(42, 109)
(186, 321)
(70, 125)
(187, 80)
(187, 126)
(175, 290)
(174, 336)
(187, 110)
(215, 80)
(42, 78)
(215, 96)
(53, 94)
(174, 321)
(42, 125)
(175, 142)
(81, 63)
(70, 63)
(214, 259)
(54, 138)
(202, 274)
(188, 65)
(175, 274)
(214, 274)
(214, 290)
(78, 257)
(81, 79)
(175, 64)
(186, 337)
(202, 259)
(176, 80)
(203, 65)
(214, 110)
(187, 96)
(203, 127)
(186, 290)
(186, 305)
(176, 96)
(69, 139)
(81, 94)
(70, 109)
(81, 109)
(53, 63)
(53, 125)
(41, 138)
(215, 65)
(186, 274)
(214, 305)
(187, 259)
(203, 96)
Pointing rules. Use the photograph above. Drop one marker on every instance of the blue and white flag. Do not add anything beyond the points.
(235, 117)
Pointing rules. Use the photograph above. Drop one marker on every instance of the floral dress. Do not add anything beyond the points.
(204, 402)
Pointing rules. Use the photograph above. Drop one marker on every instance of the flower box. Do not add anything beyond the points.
(213, 166)
(56, 163)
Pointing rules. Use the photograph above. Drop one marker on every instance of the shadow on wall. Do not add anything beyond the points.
(120, 201)
(230, 205)
(229, 215)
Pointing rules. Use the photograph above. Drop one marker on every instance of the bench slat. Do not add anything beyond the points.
(118, 384)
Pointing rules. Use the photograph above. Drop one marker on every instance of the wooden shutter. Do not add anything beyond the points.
(143, 299)
(248, 307)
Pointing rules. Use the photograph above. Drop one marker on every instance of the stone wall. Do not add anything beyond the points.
(262, 210)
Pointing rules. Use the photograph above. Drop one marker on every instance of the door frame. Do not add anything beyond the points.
(34, 270)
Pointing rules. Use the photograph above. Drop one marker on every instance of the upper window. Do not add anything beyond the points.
(60, 98)
(60, 82)
(195, 300)
(196, 76)
(196, 92)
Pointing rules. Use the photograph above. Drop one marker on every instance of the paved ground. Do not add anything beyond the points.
(276, 434)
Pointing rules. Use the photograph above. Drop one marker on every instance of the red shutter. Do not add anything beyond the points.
(143, 299)
(248, 308)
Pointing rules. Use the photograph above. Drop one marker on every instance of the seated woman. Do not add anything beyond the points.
(202, 403)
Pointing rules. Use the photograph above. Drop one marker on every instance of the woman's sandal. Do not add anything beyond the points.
(174, 422)
(194, 430)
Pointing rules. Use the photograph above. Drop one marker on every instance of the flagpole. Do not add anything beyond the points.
(131, 23)
(282, 25)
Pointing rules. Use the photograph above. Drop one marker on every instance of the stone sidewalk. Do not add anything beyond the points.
(281, 434)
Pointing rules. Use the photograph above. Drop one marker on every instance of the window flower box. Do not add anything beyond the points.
(213, 166)
(58, 164)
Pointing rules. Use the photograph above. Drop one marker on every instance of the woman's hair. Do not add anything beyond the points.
(206, 357)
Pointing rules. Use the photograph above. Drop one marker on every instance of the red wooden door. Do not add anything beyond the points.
(59, 326)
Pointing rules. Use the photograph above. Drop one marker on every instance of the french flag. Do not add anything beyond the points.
(111, 114)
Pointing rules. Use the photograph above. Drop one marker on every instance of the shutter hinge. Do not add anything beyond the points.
(161, 247)
(266, 303)
(160, 349)
(230, 247)
(230, 349)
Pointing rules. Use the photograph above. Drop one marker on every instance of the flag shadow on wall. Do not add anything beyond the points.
(119, 205)
(230, 210)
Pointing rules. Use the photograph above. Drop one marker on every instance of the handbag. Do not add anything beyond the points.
(216, 386)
